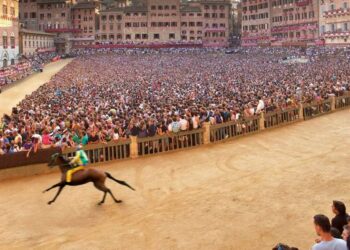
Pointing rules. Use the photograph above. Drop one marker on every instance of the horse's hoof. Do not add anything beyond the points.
(49, 203)
(100, 203)
(118, 201)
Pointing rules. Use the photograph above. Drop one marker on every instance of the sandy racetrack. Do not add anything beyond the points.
(245, 194)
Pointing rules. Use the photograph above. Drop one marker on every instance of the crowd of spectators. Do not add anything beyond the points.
(25, 67)
(107, 94)
(332, 234)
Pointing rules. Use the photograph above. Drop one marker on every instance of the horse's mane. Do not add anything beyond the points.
(63, 158)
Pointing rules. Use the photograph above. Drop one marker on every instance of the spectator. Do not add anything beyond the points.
(340, 219)
(323, 229)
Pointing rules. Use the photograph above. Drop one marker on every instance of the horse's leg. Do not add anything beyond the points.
(103, 188)
(103, 199)
(54, 186)
(117, 201)
(58, 193)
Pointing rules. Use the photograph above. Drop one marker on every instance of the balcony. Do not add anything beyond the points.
(336, 12)
(336, 34)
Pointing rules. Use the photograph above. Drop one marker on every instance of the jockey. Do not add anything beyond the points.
(77, 163)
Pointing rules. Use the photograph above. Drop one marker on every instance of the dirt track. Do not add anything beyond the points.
(12, 96)
(245, 194)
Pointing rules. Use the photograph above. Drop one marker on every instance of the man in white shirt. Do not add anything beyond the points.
(323, 229)
(183, 123)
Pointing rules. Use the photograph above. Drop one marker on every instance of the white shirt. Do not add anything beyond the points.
(194, 122)
(183, 124)
(335, 244)
(261, 106)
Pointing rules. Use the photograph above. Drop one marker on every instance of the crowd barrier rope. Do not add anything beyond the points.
(139, 147)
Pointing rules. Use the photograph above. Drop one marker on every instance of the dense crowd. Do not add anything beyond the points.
(25, 67)
(115, 94)
(332, 234)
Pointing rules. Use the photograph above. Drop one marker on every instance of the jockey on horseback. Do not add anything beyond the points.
(77, 163)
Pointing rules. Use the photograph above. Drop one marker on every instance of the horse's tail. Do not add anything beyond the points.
(119, 181)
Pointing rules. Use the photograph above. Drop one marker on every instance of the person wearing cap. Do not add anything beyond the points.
(77, 163)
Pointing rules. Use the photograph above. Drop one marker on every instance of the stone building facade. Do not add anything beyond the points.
(32, 42)
(335, 22)
(256, 22)
(9, 25)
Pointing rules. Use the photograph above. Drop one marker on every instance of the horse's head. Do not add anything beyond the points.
(56, 159)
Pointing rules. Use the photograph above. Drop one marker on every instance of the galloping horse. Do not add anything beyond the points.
(82, 177)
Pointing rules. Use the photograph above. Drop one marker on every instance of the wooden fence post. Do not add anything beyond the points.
(332, 103)
(301, 111)
(262, 121)
(206, 134)
(134, 152)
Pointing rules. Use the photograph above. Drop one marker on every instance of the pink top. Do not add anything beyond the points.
(46, 139)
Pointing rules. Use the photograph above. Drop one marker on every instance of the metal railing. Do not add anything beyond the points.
(282, 117)
(169, 142)
(104, 152)
(219, 132)
(315, 109)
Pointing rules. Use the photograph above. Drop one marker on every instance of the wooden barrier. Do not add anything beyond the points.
(315, 109)
(136, 147)
(21, 159)
(98, 153)
(279, 118)
(219, 132)
(342, 102)
(170, 142)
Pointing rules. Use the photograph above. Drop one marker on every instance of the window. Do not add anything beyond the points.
(144, 36)
(25, 15)
(153, 7)
(128, 37)
(12, 11)
(156, 36)
(171, 36)
(4, 63)
(4, 41)
(345, 26)
(4, 9)
(160, 7)
(33, 15)
(42, 16)
(345, 5)
(222, 15)
(12, 41)
(173, 7)
(49, 16)
(111, 26)
(12, 61)
(138, 36)
(332, 27)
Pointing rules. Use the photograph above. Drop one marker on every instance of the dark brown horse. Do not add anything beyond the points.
(82, 177)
